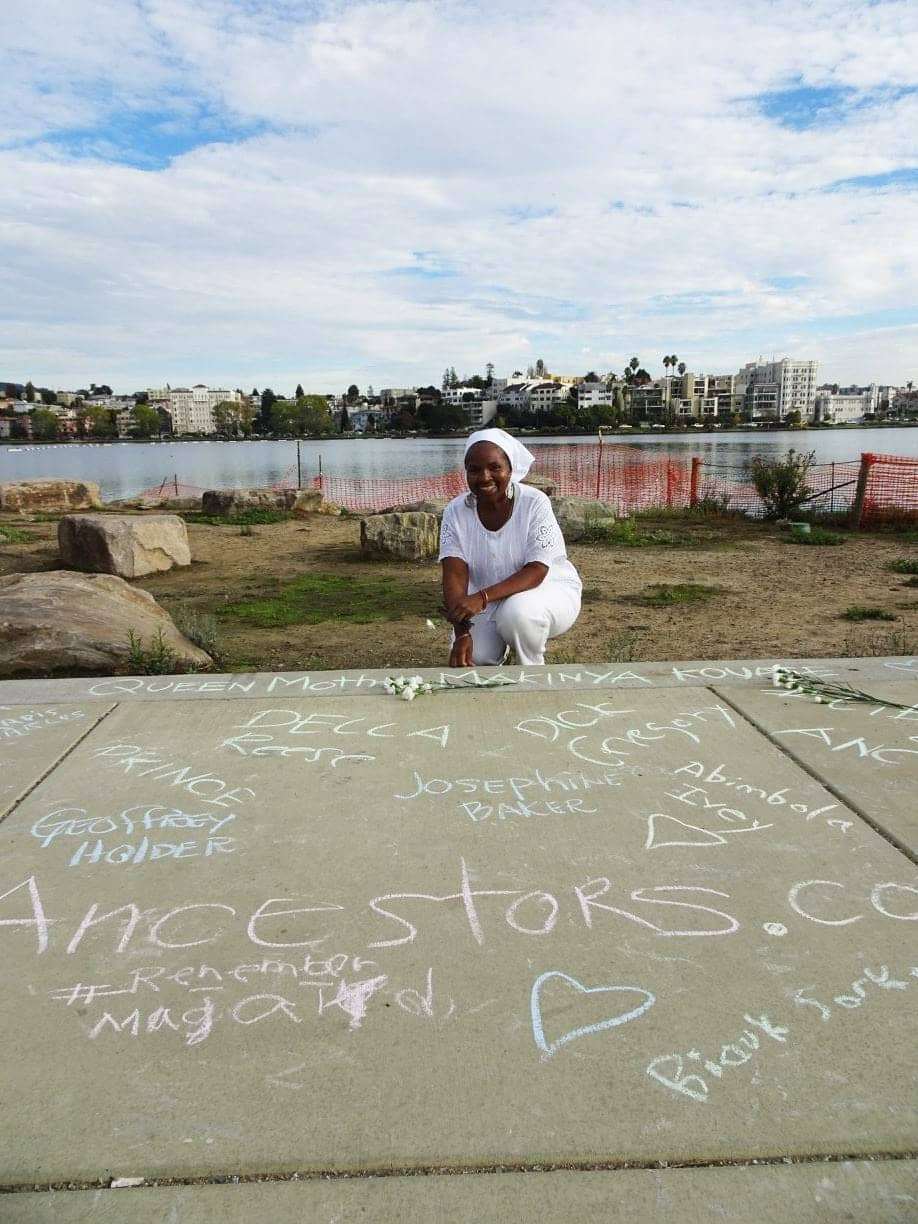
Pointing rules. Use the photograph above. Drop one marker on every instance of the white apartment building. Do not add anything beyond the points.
(772, 389)
(546, 396)
(481, 412)
(192, 409)
(595, 395)
(847, 404)
(456, 395)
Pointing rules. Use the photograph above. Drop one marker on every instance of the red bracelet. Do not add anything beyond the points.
(484, 595)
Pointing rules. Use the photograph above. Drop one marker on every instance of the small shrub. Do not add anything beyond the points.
(253, 517)
(906, 565)
(157, 659)
(781, 483)
(883, 645)
(817, 535)
(666, 595)
(200, 628)
(857, 612)
(246, 530)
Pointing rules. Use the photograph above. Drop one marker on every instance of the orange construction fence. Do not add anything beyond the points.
(871, 491)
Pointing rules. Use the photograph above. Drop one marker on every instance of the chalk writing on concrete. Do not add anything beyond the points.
(328, 986)
(17, 726)
(665, 830)
(708, 673)
(137, 761)
(668, 911)
(682, 1073)
(671, 1071)
(833, 740)
(617, 1018)
(150, 824)
(534, 794)
(708, 776)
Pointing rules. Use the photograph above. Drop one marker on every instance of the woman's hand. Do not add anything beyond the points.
(461, 653)
(466, 607)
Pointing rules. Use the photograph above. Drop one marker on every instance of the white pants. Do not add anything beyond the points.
(525, 622)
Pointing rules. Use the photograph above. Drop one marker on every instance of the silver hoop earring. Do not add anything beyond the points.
(471, 501)
(511, 491)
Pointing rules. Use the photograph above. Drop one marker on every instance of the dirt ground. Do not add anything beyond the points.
(776, 599)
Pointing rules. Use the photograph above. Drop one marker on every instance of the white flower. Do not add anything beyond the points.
(819, 700)
(429, 623)
(408, 693)
(417, 681)
(389, 685)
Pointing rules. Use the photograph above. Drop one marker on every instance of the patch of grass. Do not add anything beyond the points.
(12, 535)
(624, 533)
(817, 535)
(858, 612)
(157, 659)
(883, 645)
(314, 598)
(623, 647)
(250, 518)
(667, 595)
(905, 565)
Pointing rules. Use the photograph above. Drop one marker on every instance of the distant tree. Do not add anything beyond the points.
(102, 389)
(619, 395)
(641, 378)
(19, 429)
(453, 377)
(439, 417)
(666, 363)
(299, 392)
(489, 373)
(268, 400)
(246, 412)
(405, 420)
(30, 392)
(476, 381)
(345, 421)
(314, 415)
(540, 368)
(141, 397)
(226, 417)
(11, 391)
(445, 380)
(283, 418)
(530, 371)
(255, 393)
(592, 377)
(48, 396)
(44, 424)
(353, 393)
(681, 367)
(147, 421)
(370, 391)
(98, 421)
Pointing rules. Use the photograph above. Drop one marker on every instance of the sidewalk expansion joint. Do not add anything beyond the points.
(54, 764)
(459, 1170)
(817, 777)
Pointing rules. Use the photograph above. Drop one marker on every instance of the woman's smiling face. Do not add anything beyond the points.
(487, 470)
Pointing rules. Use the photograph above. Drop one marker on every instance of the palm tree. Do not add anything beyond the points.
(681, 367)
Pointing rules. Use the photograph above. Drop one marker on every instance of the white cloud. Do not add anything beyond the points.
(449, 183)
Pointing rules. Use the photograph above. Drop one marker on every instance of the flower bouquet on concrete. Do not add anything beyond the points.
(824, 692)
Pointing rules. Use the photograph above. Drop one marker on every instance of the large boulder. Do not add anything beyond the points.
(548, 486)
(435, 505)
(62, 623)
(49, 496)
(129, 545)
(576, 515)
(403, 537)
(296, 501)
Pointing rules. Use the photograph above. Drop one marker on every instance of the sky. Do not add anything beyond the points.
(270, 192)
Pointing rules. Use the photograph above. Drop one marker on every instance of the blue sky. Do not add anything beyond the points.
(273, 192)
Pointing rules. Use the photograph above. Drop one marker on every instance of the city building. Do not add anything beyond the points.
(460, 394)
(846, 403)
(192, 409)
(771, 390)
(480, 413)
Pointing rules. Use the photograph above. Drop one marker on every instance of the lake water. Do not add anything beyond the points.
(123, 469)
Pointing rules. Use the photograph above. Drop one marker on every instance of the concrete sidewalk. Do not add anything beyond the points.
(290, 932)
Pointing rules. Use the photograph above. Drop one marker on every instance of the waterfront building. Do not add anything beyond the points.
(480, 413)
(846, 403)
(771, 390)
(460, 394)
(192, 409)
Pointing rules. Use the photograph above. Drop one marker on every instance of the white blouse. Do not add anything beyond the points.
(530, 534)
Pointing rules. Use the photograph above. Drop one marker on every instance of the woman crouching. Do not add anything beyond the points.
(507, 582)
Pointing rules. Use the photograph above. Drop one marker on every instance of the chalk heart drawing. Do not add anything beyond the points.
(655, 835)
(535, 1007)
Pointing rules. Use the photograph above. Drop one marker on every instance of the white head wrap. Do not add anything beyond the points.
(521, 459)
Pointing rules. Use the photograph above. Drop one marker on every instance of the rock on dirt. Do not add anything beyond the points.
(403, 537)
(575, 514)
(64, 623)
(129, 545)
(31, 496)
(296, 501)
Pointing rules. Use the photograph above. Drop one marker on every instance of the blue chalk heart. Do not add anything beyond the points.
(535, 1007)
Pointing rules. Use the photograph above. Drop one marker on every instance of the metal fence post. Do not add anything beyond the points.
(299, 466)
(693, 483)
